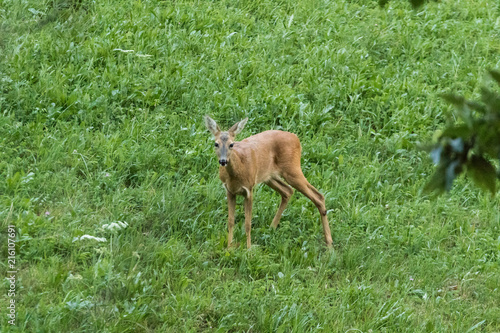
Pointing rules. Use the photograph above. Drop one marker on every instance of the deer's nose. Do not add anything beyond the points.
(223, 162)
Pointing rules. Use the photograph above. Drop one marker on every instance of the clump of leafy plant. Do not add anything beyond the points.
(414, 3)
(470, 144)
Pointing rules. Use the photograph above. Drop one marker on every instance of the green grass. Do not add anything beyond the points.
(91, 135)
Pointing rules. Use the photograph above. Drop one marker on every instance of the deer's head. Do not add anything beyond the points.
(224, 140)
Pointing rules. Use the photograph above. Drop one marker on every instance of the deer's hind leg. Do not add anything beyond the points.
(297, 180)
(285, 191)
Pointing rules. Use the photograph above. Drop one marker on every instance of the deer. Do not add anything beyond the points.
(267, 157)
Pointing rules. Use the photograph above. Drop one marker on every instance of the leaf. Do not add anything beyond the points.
(417, 3)
(456, 100)
(488, 138)
(475, 326)
(461, 106)
(482, 173)
(457, 145)
(457, 131)
(436, 154)
(476, 106)
(495, 75)
(491, 99)
(452, 171)
(35, 12)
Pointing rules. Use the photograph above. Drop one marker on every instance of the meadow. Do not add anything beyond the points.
(102, 134)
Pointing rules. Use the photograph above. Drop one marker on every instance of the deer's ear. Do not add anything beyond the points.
(238, 127)
(212, 126)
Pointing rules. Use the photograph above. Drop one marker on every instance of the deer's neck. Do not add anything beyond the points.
(234, 176)
(234, 165)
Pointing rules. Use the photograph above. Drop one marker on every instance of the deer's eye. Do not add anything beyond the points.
(231, 145)
(216, 145)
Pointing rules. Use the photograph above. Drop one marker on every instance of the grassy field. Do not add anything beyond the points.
(101, 106)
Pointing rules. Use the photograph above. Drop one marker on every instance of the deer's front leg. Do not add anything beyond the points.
(231, 205)
(248, 217)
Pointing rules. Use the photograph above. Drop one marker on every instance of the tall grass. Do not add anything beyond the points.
(101, 108)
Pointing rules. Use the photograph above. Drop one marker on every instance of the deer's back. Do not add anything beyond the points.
(270, 153)
(274, 141)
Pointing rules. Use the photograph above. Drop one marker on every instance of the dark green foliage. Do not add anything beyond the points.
(482, 172)
(469, 144)
(415, 3)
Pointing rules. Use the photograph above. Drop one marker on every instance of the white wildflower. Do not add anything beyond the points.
(99, 239)
(74, 277)
(124, 51)
(115, 226)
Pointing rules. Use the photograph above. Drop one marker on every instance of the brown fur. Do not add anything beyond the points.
(262, 158)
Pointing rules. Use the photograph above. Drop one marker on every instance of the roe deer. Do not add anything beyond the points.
(261, 158)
